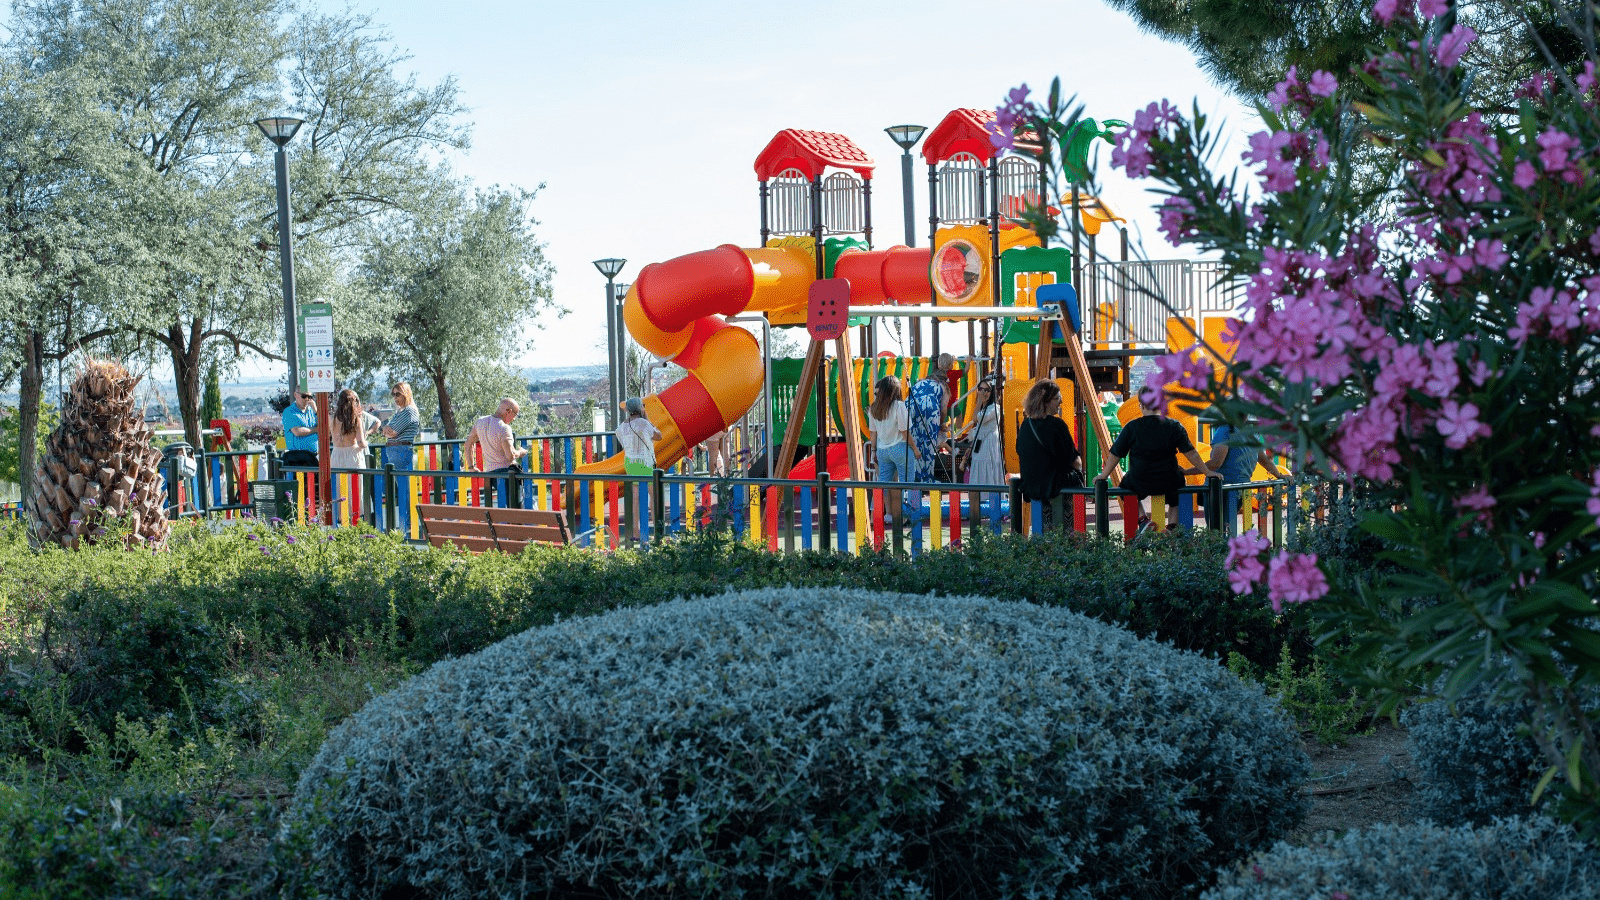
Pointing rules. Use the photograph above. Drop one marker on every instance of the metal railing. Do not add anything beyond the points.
(1130, 302)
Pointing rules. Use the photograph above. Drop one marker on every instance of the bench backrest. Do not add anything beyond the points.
(480, 528)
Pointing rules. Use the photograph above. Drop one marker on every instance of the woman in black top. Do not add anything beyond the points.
(1049, 459)
(1152, 443)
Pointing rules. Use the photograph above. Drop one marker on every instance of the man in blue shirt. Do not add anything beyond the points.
(300, 432)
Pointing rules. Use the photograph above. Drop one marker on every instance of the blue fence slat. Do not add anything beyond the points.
(675, 506)
(741, 509)
(805, 518)
(583, 505)
(842, 517)
(922, 498)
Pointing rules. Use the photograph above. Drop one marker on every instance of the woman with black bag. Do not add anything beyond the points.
(1046, 453)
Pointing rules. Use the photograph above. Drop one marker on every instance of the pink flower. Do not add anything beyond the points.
(1294, 578)
(1132, 151)
(1525, 174)
(1594, 242)
(1243, 563)
(1594, 497)
(1556, 147)
(1386, 11)
(1015, 110)
(1477, 501)
(1459, 424)
(1323, 84)
(1175, 215)
(1433, 8)
(1185, 369)
(1453, 45)
(1279, 97)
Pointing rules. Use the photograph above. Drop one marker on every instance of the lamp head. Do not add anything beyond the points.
(279, 129)
(610, 266)
(906, 135)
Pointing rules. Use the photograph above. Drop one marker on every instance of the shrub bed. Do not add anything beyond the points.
(1473, 763)
(799, 742)
(1511, 859)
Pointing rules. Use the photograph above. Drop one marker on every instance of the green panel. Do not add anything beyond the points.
(785, 379)
(832, 249)
(1020, 260)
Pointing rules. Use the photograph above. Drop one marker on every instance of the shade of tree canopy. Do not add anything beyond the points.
(1246, 46)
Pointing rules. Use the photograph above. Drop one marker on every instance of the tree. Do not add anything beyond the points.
(1442, 361)
(451, 290)
(211, 403)
(1246, 46)
(182, 80)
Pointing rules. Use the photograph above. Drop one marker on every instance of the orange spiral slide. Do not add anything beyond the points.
(674, 311)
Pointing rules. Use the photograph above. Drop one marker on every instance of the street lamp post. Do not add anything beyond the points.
(906, 136)
(610, 267)
(280, 130)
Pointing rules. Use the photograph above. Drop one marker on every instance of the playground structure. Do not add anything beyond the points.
(1039, 312)
(1031, 311)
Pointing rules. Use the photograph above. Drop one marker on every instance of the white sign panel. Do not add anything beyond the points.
(319, 331)
(319, 369)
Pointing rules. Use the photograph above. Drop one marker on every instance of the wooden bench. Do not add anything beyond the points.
(479, 528)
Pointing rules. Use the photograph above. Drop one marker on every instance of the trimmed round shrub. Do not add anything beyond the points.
(805, 743)
(1472, 763)
(1534, 858)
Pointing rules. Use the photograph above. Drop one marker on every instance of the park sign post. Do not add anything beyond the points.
(314, 328)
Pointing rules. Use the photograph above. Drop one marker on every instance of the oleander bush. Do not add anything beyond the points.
(1533, 858)
(806, 742)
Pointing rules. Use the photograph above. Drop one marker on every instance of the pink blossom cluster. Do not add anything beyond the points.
(1536, 87)
(1243, 564)
(1454, 45)
(1290, 577)
(1308, 312)
(1594, 498)
(1132, 151)
(1016, 110)
(1302, 94)
(1477, 503)
(1556, 152)
(1586, 82)
(1280, 152)
(1451, 268)
(1471, 154)
(1177, 215)
(1187, 369)
(1386, 11)
(1556, 314)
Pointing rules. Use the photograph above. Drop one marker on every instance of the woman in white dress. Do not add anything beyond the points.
(350, 427)
(988, 466)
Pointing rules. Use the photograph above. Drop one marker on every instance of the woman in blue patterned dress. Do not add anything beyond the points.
(926, 405)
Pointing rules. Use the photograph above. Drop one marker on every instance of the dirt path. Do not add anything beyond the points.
(1362, 782)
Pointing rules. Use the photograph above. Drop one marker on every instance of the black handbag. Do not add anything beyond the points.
(1074, 477)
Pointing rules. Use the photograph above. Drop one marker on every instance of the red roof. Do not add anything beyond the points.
(963, 131)
(811, 152)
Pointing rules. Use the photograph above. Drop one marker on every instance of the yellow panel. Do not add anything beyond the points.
(1213, 328)
(978, 237)
(1069, 399)
(1105, 318)
(1129, 410)
(1016, 360)
(1180, 333)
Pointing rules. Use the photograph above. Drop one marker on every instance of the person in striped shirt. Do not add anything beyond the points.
(401, 430)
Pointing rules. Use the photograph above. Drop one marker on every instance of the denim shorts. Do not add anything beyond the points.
(894, 463)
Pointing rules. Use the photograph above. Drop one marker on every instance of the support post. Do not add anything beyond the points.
(324, 459)
(779, 468)
(849, 409)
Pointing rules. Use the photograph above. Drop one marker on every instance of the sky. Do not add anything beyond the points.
(643, 120)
